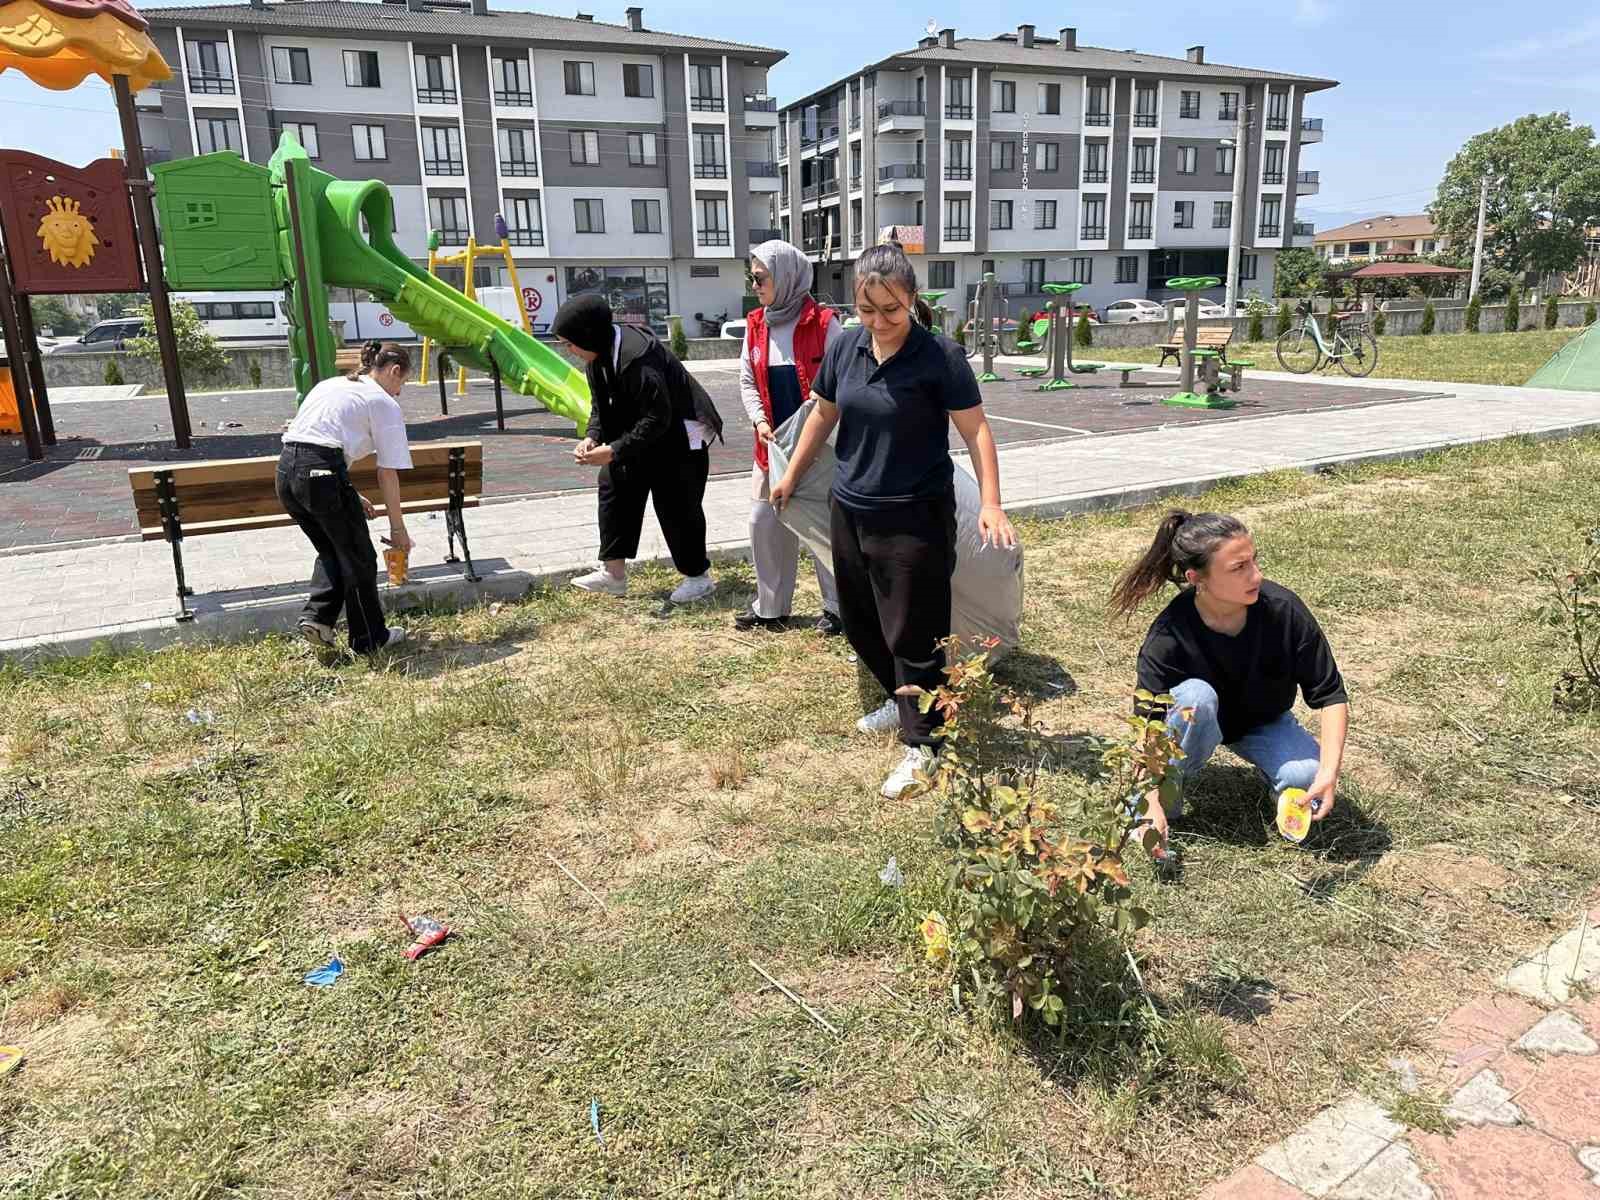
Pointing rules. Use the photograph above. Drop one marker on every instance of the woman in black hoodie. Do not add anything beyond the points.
(650, 428)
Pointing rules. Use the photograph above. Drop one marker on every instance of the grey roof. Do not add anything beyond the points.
(1046, 55)
(365, 16)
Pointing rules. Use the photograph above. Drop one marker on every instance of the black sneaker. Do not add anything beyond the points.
(828, 624)
(748, 620)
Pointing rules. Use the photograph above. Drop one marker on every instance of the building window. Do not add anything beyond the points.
(518, 155)
(1047, 156)
(706, 95)
(1224, 160)
(855, 165)
(1098, 109)
(1000, 214)
(1033, 274)
(1083, 269)
(1005, 96)
(1094, 218)
(306, 134)
(217, 133)
(1271, 216)
(361, 68)
(1429, 246)
(641, 149)
(1183, 214)
(524, 222)
(1094, 162)
(647, 216)
(1189, 106)
(1222, 214)
(958, 159)
(713, 214)
(958, 220)
(1247, 266)
(1050, 99)
(1144, 107)
(436, 78)
(958, 98)
(583, 147)
(1360, 249)
(1002, 156)
(1139, 212)
(1381, 248)
(710, 160)
(291, 64)
(513, 85)
(448, 215)
(1272, 165)
(578, 77)
(1278, 110)
(589, 216)
(941, 276)
(441, 150)
(1228, 110)
(368, 141)
(1144, 162)
(638, 80)
(1127, 268)
(1188, 160)
(1044, 214)
(210, 68)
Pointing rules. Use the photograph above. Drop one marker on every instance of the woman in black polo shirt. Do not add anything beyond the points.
(892, 388)
(1232, 648)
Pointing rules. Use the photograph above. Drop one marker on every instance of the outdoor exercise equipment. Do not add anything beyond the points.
(985, 326)
(467, 260)
(1203, 366)
(941, 314)
(231, 225)
(1059, 339)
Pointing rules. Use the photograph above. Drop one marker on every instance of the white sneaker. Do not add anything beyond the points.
(396, 636)
(602, 580)
(696, 587)
(319, 635)
(904, 776)
(881, 720)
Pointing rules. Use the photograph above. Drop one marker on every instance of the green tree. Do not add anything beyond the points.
(1552, 312)
(51, 312)
(115, 304)
(1473, 314)
(1380, 321)
(680, 343)
(198, 351)
(1285, 318)
(112, 374)
(1589, 314)
(1513, 310)
(1254, 332)
(1083, 336)
(1544, 188)
(1298, 272)
(1428, 318)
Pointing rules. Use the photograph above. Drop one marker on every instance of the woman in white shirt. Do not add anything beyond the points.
(340, 422)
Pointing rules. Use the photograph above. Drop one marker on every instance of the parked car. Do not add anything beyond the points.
(1210, 310)
(1124, 312)
(734, 330)
(105, 335)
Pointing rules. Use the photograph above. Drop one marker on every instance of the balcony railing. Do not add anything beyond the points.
(707, 103)
(958, 112)
(958, 233)
(712, 237)
(1138, 233)
(958, 172)
(1308, 177)
(1310, 124)
(711, 170)
(1144, 120)
(855, 182)
(443, 166)
(519, 167)
(855, 122)
(1189, 112)
(757, 236)
(433, 95)
(513, 99)
(822, 246)
(1228, 114)
(761, 170)
(452, 235)
(213, 85)
(770, 104)
(900, 171)
(830, 187)
(855, 240)
(1277, 120)
(1092, 175)
(1143, 176)
(1305, 229)
(1275, 230)
(1094, 233)
(157, 154)
(1225, 221)
(1097, 118)
(901, 108)
(525, 237)
(810, 192)
(1272, 178)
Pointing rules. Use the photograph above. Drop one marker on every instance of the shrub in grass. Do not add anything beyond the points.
(1513, 311)
(680, 343)
(1589, 314)
(112, 374)
(1255, 332)
(1037, 878)
(1473, 314)
(1083, 336)
(1552, 313)
(1285, 318)
(1379, 320)
(1572, 605)
(255, 372)
(1428, 318)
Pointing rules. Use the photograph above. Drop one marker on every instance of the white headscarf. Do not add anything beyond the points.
(791, 279)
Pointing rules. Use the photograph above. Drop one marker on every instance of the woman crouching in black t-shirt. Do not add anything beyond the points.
(1233, 646)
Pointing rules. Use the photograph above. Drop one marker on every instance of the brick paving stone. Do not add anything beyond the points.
(1497, 1163)
(1477, 1034)
(1252, 1183)
(1559, 1095)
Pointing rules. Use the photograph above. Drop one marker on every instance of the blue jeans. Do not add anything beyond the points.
(1281, 750)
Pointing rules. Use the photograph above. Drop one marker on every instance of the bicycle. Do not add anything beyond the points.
(1304, 348)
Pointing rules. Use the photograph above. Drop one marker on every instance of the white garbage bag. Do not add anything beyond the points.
(986, 591)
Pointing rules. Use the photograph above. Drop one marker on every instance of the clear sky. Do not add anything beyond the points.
(1415, 78)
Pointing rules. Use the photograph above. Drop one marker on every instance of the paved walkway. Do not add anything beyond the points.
(1521, 1070)
(66, 600)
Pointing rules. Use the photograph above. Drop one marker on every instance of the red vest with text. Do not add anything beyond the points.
(810, 339)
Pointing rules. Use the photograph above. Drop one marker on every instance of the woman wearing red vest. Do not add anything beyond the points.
(783, 346)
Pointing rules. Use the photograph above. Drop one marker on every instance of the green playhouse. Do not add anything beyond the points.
(1573, 368)
(231, 225)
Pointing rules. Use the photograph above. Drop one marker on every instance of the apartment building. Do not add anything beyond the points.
(1381, 237)
(1043, 160)
(624, 159)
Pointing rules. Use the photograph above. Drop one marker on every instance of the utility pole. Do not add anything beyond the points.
(1241, 134)
(1477, 249)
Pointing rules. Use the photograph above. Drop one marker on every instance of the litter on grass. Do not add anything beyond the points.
(326, 975)
(427, 932)
(891, 875)
(10, 1059)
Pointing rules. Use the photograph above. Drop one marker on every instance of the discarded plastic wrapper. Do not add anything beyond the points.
(326, 975)
(594, 1122)
(10, 1059)
(428, 932)
(1294, 814)
(986, 589)
(891, 875)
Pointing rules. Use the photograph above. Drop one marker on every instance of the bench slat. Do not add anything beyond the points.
(220, 502)
(227, 470)
(279, 519)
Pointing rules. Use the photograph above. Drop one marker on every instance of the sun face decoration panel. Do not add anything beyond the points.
(68, 229)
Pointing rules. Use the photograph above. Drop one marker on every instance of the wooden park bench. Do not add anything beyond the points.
(1207, 337)
(238, 495)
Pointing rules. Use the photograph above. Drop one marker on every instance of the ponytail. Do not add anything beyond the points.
(1184, 542)
(923, 312)
(376, 355)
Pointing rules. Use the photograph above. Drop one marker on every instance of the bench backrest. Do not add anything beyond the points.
(1209, 336)
(230, 494)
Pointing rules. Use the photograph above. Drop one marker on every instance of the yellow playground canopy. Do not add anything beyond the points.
(59, 43)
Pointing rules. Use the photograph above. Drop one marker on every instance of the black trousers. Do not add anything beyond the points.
(893, 569)
(314, 488)
(676, 485)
